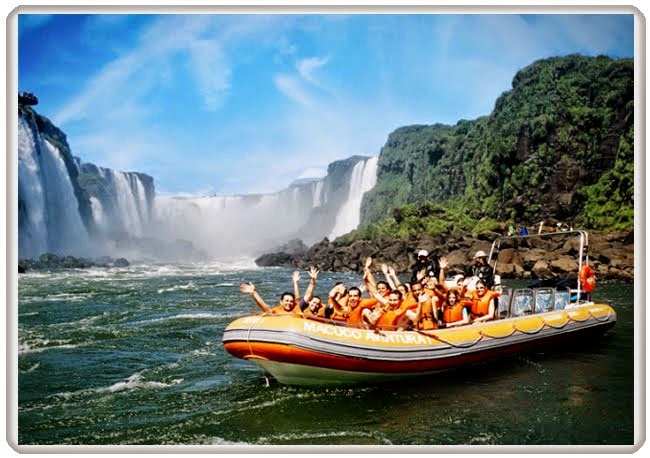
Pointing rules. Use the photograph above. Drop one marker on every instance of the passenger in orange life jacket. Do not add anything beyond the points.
(337, 302)
(352, 309)
(394, 282)
(434, 288)
(484, 302)
(311, 305)
(384, 305)
(378, 290)
(455, 312)
(287, 300)
(405, 289)
(425, 315)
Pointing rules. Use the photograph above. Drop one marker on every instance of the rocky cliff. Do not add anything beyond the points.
(559, 145)
(611, 255)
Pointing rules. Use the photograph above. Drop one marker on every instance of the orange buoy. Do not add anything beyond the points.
(587, 278)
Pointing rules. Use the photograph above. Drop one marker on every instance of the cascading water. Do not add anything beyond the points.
(32, 229)
(125, 218)
(131, 204)
(364, 178)
(50, 219)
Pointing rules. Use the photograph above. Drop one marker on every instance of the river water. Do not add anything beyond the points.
(133, 356)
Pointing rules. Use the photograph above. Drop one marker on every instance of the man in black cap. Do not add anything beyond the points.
(430, 266)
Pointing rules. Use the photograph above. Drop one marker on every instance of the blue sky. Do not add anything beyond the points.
(237, 104)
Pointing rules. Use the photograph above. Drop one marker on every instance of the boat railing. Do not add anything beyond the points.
(516, 302)
(582, 250)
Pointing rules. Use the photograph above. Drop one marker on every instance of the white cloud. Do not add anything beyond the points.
(307, 67)
(294, 89)
(211, 71)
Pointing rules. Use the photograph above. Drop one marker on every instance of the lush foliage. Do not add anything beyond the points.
(412, 220)
(608, 201)
(558, 146)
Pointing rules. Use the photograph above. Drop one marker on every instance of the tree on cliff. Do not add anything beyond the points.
(558, 145)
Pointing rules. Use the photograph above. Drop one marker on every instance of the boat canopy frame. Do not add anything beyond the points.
(583, 251)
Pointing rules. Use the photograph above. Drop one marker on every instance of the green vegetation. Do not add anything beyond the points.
(609, 202)
(412, 220)
(558, 146)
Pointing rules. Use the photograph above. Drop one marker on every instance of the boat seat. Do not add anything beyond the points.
(503, 303)
(523, 301)
(544, 299)
(562, 298)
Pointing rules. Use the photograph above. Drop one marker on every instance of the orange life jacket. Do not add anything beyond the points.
(280, 309)
(355, 315)
(387, 319)
(427, 320)
(320, 313)
(481, 305)
(452, 313)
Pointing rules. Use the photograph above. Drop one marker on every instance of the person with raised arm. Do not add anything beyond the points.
(388, 314)
(425, 262)
(295, 278)
(311, 305)
(425, 316)
(287, 300)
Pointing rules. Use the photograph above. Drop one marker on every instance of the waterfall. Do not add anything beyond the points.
(318, 194)
(50, 219)
(225, 226)
(364, 178)
(99, 217)
(58, 195)
(130, 205)
(32, 232)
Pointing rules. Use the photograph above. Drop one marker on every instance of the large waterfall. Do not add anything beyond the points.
(68, 207)
(49, 218)
(250, 224)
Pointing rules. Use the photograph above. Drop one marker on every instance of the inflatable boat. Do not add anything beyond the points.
(297, 350)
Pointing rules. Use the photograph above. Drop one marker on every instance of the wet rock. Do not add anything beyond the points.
(121, 262)
(611, 257)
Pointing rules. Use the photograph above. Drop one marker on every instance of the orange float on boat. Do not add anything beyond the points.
(587, 278)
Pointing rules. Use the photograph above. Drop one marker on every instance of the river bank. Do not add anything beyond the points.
(611, 255)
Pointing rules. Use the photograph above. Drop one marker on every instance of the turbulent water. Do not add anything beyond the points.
(133, 356)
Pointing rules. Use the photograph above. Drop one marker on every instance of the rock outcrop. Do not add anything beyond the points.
(610, 255)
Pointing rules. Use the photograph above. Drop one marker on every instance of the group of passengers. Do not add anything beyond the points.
(428, 301)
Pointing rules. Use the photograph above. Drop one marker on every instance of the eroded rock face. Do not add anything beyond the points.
(611, 256)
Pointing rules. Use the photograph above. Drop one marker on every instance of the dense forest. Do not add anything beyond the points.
(558, 146)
